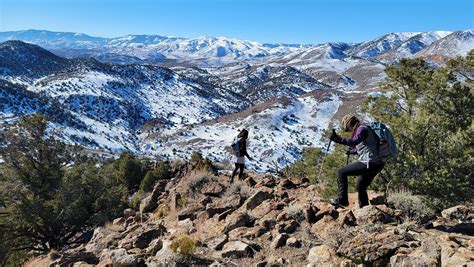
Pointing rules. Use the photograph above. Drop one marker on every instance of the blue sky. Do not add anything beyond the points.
(286, 21)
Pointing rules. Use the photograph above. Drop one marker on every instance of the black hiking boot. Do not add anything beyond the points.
(339, 202)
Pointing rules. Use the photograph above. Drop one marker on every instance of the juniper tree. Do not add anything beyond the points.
(430, 113)
(48, 195)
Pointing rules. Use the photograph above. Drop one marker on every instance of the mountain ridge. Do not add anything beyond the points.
(169, 108)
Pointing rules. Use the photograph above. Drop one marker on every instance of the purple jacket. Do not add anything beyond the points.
(364, 142)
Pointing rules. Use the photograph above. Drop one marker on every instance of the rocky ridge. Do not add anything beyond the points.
(205, 219)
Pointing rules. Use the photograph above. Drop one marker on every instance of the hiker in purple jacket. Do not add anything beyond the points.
(363, 142)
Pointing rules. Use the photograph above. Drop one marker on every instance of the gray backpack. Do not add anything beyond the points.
(387, 147)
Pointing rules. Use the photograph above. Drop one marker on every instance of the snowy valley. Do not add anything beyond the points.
(165, 97)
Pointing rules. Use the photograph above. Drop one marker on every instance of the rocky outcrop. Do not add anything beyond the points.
(275, 223)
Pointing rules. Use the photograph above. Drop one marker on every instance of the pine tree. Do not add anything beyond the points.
(49, 196)
(430, 113)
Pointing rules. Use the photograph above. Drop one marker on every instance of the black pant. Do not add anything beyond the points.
(237, 167)
(365, 178)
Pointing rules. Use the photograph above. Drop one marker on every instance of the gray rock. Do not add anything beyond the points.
(237, 249)
(143, 240)
(371, 214)
(101, 239)
(219, 242)
(118, 257)
(372, 248)
(322, 256)
(429, 254)
(460, 212)
(408, 261)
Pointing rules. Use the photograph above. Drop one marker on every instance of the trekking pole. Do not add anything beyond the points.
(347, 159)
(324, 158)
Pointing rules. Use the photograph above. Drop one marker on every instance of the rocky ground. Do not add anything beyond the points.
(204, 219)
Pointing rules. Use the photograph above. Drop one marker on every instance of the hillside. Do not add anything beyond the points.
(164, 97)
(204, 219)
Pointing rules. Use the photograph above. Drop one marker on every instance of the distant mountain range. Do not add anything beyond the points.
(167, 96)
(216, 51)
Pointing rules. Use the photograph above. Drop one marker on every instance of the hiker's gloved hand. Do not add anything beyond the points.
(333, 136)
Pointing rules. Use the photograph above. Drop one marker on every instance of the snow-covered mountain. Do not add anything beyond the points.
(380, 45)
(55, 40)
(167, 96)
(109, 101)
(204, 50)
(413, 45)
(455, 44)
(207, 51)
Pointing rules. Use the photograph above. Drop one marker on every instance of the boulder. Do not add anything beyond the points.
(236, 220)
(237, 249)
(189, 212)
(71, 256)
(428, 254)
(119, 221)
(267, 223)
(287, 226)
(322, 256)
(143, 240)
(279, 241)
(139, 238)
(247, 232)
(264, 208)
(218, 242)
(371, 214)
(118, 257)
(212, 188)
(324, 227)
(460, 212)
(372, 248)
(347, 218)
(256, 199)
(102, 238)
(150, 202)
(324, 209)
